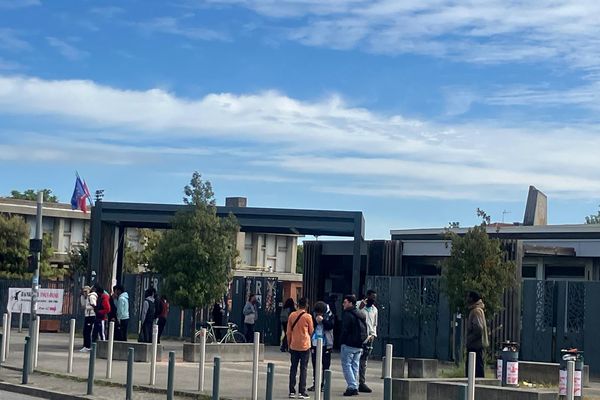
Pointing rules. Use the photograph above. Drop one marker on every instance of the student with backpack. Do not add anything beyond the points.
(147, 317)
(101, 310)
(299, 331)
(354, 334)
(161, 314)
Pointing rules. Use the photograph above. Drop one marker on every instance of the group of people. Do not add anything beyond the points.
(302, 330)
(100, 308)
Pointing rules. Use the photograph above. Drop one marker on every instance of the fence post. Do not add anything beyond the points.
(4, 336)
(471, 377)
(255, 365)
(216, 378)
(21, 319)
(91, 370)
(318, 368)
(9, 323)
(270, 376)
(389, 355)
(153, 354)
(129, 387)
(109, 350)
(26, 350)
(71, 345)
(37, 342)
(171, 376)
(202, 360)
(570, 380)
(327, 385)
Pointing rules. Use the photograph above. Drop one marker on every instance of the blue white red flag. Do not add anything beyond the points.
(80, 194)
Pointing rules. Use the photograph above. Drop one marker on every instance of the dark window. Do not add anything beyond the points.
(529, 271)
(554, 271)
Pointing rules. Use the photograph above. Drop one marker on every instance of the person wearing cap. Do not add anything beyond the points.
(88, 300)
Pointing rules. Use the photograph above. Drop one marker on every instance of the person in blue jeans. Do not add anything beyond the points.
(354, 334)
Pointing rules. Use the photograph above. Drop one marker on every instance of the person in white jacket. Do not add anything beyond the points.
(369, 310)
(88, 301)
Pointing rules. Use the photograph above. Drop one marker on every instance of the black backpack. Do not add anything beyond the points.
(360, 328)
(151, 311)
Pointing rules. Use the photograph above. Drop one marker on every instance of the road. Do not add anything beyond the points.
(15, 396)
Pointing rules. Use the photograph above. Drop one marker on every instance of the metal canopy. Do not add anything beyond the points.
(110, 216)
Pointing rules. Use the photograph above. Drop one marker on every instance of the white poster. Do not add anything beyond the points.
(577, 383)
(499, 369)
(49, 302)
(512, 373)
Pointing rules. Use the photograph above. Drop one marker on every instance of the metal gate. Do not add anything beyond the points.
(413, 316)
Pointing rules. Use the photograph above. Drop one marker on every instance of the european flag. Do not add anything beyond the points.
(79, 196)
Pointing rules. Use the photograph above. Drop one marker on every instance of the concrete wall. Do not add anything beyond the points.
(230, 352)
(448, 390)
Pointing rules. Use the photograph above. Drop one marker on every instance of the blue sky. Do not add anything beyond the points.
(414, 112)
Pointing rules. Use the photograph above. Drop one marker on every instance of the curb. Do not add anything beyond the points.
(38, 392)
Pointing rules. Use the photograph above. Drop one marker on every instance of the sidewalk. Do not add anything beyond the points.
(236, 378)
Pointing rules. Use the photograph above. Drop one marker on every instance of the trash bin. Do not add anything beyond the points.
(566, 356)
(510, 364)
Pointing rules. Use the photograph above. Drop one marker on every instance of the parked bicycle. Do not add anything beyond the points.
(232, 334)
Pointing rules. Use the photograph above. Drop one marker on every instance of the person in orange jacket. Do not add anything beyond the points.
(299, 331)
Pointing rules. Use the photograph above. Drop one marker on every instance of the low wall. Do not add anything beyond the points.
(546, 373)
(397, 367)
(417, 388)
(229, 352)
(142, 352)
(452, 390)
(422, 368)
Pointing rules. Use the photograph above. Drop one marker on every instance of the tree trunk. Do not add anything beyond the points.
(194, 321)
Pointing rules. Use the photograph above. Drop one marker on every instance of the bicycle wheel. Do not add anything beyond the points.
(238, 337)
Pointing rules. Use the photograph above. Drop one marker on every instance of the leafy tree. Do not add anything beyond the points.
(79, 257)
(134, 258)
(593, 219)
(477, 262)
(31, 194)
(47, 271)
(300, 259)
(196, 257)
(14, 247)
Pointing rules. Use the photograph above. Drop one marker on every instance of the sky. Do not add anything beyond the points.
(416, 113)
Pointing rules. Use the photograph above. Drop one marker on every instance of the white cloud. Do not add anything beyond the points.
(67, 50)
(481, 31)
(327, 140)
(10, 39)
(13, 4)
(173, 26)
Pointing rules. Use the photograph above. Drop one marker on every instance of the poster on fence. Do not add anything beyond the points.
(50, 301)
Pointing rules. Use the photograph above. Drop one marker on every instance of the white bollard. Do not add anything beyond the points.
(471, 377)
(570, 380)
(4, 335)
(9, 324)
(37, 342)
(255, 366)
(153, 355)
(202, 360)
(109, 352)
(71, 345)
(389, 355)
(318, 369)
(21, 319)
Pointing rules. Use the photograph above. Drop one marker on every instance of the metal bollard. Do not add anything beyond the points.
(387, 388)
(71, 345)
(37, 342)
(327, 385)
(171, 376)
(9, 324)
(389, 355)
(4, 336)
(216, 378)
(109, 350)
(471, 377)
(318, 368)
(91, 370)
(26, 350)
(202, 360)
(571, 380)
(129, 386)
(153, 354)
(270, 377)
(255, 365)
(21, 319)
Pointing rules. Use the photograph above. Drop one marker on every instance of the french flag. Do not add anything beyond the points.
(80, 194)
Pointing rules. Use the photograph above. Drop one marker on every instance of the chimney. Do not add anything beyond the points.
(536, 211)
(236, 201)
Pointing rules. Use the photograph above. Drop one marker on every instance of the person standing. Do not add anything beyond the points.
(368, 309)
(122, 312)
(162, 316)
(324, 321)
(477, 333)
(299, 331)
(217, 317)
(250, 317)
(147, 317)
(288, 307)
(354, 334)
(102, 310)
(88, 301)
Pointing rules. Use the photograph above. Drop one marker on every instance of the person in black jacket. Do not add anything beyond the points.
(354, 334)
(324, 321)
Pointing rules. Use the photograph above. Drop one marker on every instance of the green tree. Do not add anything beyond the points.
(196, 257)
(134, 258)
(300, 259)
(47, 270)
(477, 262)
(31, 194)
(14, 247)
(79, 257)
(593, 219)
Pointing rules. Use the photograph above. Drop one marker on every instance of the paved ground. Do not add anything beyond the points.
(15, 396)
(235, 377)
